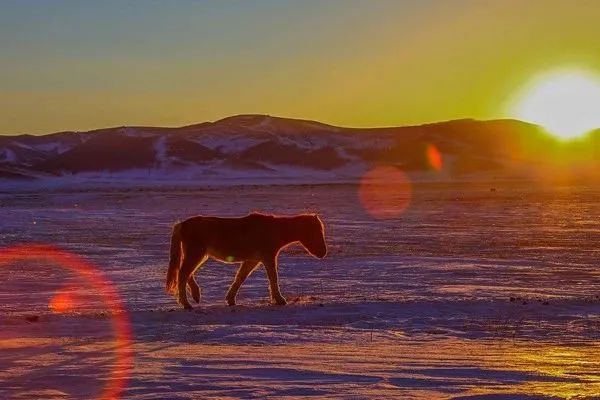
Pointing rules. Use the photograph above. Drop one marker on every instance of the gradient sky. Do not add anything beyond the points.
(78, 65)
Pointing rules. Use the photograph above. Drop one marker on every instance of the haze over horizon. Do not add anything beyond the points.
(84, 65)
(279, 117)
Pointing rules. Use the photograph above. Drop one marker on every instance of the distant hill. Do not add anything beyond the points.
(266, 147)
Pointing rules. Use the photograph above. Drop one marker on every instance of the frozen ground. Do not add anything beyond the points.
(471, 293)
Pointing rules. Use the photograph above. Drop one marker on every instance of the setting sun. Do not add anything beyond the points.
(567, 103)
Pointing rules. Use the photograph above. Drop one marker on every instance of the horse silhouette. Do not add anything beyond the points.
(250, 241)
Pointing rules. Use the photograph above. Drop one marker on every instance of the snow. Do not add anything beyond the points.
(229, 144)
(160, 147)
(217, 173)
(265, 122)
(55, 147)
(21, 145)
(7, 155)
(469, 294)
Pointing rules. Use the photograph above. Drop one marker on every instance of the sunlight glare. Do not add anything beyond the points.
(565, 102)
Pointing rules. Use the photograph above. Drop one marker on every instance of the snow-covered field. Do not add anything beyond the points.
(471, 293)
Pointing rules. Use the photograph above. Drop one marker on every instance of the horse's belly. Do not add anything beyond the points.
(233, 255)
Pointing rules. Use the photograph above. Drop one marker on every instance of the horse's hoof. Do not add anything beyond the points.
(230, 302)
(281, 301)
(188, 307)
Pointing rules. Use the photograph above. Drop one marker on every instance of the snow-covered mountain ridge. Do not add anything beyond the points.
(266, 146)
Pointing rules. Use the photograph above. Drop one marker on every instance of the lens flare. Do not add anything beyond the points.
(65, 301)
(434, 157)
(385, 192)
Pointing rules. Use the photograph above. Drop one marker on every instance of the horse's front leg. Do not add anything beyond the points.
(194, 288)
(276, 296)
(186, 270)
(242, 273)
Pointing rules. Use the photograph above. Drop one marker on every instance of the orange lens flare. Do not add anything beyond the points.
(65, 302)
(62, 303)
(385, 192)
(434, 157)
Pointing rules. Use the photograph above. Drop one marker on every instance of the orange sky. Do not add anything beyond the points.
(78, 65)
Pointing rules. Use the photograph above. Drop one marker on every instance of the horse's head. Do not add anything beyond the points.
(313, 235)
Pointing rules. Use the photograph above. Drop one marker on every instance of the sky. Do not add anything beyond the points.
(79, 65)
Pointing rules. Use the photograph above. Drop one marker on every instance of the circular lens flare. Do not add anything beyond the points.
(66, 301)
(385, 192)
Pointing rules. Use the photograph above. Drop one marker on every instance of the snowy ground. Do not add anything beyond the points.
(471, 293)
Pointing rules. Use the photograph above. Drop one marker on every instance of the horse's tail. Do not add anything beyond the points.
(174, 260)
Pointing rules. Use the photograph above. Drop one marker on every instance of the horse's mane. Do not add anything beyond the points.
(263, 214)
(260, 214)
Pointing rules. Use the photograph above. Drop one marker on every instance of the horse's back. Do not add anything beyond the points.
(230, 235)
(250, 221)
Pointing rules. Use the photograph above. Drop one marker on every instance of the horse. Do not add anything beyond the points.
(250, 241)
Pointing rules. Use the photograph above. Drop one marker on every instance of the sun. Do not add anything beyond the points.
(565, 102)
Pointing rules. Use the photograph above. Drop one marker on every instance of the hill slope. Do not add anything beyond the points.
(271, 147)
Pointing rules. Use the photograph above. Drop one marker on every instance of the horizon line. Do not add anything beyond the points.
(273, 116)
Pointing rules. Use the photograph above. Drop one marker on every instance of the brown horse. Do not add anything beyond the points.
(250, 240)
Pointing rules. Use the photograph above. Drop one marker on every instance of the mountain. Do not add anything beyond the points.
(266, 147)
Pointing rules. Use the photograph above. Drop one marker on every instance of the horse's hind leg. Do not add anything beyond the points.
(242, 273)
(192, 258)
(194, 288)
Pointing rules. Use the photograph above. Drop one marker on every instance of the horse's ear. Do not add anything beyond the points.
(315, 216)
